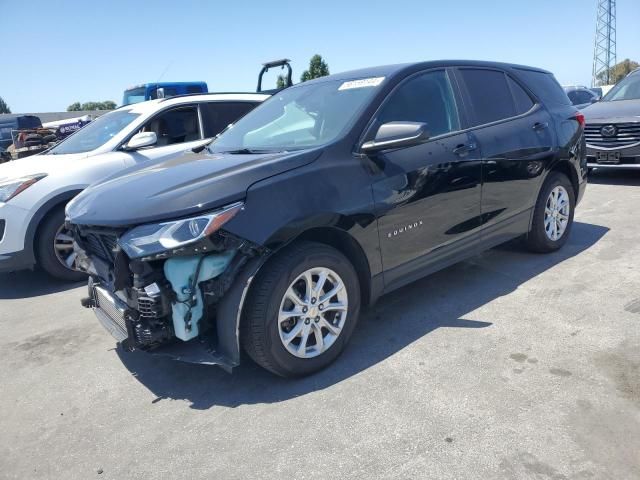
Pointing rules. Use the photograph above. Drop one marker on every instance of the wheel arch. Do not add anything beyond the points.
(36, 221)
(231, 307)
(349, 247)
(565, 167)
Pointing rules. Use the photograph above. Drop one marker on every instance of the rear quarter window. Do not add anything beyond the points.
(544, 86)
(523, 101)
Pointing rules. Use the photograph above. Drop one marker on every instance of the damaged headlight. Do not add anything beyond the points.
(156, 238)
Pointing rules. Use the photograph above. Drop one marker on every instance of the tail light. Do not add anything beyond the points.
(580, 118)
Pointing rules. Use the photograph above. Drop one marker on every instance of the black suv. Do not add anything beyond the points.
(330, 194)
(613, 126)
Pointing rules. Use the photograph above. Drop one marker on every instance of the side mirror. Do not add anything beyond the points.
(396, 135)
(141, 140)
(595, 99)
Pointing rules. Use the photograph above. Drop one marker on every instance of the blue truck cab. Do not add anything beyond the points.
(151, 91)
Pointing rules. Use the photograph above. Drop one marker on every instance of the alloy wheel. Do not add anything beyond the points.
(313, 312)
(63, 247)
(556, 213)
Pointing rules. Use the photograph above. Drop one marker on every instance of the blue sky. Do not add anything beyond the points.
(55, 53)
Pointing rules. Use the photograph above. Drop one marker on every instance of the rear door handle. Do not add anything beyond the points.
(540, 126)
(464, 148)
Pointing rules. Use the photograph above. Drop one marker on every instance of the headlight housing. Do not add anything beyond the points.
(155, 238)
(12, 187)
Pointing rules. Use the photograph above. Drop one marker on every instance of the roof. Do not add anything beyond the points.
(152, 105)
(392, 70)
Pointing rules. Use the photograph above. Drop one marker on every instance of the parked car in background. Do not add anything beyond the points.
(10, 123)
(598, 91)
(581, 96)
(328, 195)
(34, 190)
(153, 91)
(613, 126)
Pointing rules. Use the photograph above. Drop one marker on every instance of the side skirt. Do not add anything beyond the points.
(466, 248)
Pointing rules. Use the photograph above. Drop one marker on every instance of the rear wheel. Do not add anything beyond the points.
(54, 248)
(553, 215)
(301, 310)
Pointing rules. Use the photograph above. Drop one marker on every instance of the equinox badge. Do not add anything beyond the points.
(404, 228)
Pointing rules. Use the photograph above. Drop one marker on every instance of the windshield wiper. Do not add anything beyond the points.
(247, 151)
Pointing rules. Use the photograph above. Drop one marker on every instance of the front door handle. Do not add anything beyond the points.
(464, 148)
(540, 126)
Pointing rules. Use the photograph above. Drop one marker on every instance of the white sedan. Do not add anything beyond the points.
(35, 190)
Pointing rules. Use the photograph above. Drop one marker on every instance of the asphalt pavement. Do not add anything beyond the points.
(508, 366)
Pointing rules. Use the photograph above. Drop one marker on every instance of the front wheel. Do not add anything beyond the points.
(54, 248)
(553, 215)
(301, 310)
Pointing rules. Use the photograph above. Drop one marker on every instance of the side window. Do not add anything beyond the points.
(427, 98)
(583, 96)
(523, 101)
(489, 95)
(177, 125)
(544, 85)
(217, 115)
(573, 96)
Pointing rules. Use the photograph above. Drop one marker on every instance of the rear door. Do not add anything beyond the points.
(515, 136)
(427, 196)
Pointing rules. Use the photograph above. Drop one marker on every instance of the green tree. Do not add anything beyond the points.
(90, 106)
(4, 108)
(617, 72)
(317, 68)
(281, 82)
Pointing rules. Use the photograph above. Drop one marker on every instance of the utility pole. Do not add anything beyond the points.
(604, 48)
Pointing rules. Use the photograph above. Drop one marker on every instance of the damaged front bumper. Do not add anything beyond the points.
(186, 307)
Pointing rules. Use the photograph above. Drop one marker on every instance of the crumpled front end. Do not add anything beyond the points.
(184, 303)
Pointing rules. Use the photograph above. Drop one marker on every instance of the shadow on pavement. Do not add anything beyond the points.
(615, 177)
(31, 283)
(441, 300)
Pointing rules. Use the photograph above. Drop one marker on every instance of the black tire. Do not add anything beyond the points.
(260, 335)
(537, 239)
(45, 249)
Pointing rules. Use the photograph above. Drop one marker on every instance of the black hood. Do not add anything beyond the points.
(615, 112)
(187, 184)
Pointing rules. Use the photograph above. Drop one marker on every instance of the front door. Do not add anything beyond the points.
(177, 129)
(427, 196)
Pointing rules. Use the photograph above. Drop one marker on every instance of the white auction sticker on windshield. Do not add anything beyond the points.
(362, 83)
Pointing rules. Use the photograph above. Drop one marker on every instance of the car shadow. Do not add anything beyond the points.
(31, 283)
(442, 300)
(615, 177)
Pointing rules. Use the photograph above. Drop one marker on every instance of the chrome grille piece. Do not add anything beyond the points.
(609, 135)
